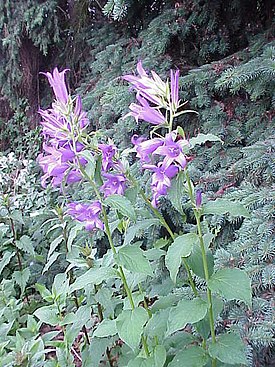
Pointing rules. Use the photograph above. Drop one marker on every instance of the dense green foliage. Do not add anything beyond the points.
(226, 56)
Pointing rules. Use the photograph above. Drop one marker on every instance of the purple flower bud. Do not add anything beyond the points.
(198, 198)
(175, 89)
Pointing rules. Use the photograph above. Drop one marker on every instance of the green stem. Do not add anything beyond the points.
(169, 230)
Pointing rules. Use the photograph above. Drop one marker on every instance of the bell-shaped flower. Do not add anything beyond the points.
(87, 214)
(153, 89)
(173, 150)
(108, 152)
(145, 112)
(145, 148)
(115, 184)
(161, 179)
(57, 82)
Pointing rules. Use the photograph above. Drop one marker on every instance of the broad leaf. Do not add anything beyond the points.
(203, 326)
(25, 244)
(93, 276)
(186, 312)
(48, 315)
(193, 356)
(130, 326)
(196, 263)
(203, 138)
(175, 192)
(6, 259)
(123, 205)
(229, 349)
(223, 206)
(105, 328)
(156, 360)
(232, 284)
(139, 226)
(133, 259)
(181, 247)
(21, 278)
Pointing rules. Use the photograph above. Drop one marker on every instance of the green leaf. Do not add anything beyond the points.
(203, 326)
(93, 276)
(105, 328)
(50, 261)
(130, 326)
(91, 164)
(192, 357)
(72, 235)
(123, 205)
(184, 313)
(181, 247)
(223, 206)
(21, 278)
(157, 325)
(232, 284)
(229, 349)
(156, 360)
(25, 244)
(54, 245)
(139, 226)
(133, 259)
(203, 138)
(195, 261)
(175, 192)
(48, 315)
(6, 260)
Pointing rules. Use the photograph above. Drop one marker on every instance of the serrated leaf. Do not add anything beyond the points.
(139, 226)
(203, 138)
(229, 349)
(223, 206)
(232, 284)
(25, 244)
(48, 315)
(186, 312)
(21, 278)
(130, 326)
(181, 247)
(93, 276)
(133, 259)
(6, 259)
(123, 205)
(105, 328)
(191, 357)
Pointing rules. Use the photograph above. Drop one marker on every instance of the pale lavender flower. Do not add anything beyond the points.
(115, 184)
(145, 148)
(145, 112)
(173, 150)
(174, 77)
(57, 82)
(59, 165)
(153, 89)
(108, 152)
(87, 214)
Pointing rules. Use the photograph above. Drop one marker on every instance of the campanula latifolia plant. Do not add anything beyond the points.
(179, 326)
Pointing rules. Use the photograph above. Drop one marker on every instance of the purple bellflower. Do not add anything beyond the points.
(145, 112)
(161, 179)
(115, 184)
(198, 198)
(173, 150)
(153, 89)
(108, 152)
(145, 148)
(57, 82)
(87, 214)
